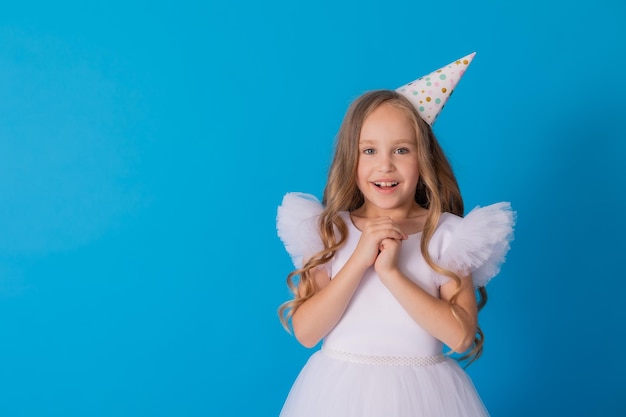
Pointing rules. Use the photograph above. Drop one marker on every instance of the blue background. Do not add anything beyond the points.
(144, 147)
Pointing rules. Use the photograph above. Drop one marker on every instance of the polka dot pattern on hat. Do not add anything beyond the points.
(430, 93)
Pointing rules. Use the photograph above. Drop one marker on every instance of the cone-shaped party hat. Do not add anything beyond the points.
(431, 92)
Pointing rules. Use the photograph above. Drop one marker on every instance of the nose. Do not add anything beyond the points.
(385, 163)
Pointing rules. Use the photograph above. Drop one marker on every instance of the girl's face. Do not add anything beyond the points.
(387, 171)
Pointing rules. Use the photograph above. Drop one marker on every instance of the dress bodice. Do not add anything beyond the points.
(374, 323)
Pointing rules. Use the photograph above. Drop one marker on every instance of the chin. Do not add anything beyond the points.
(385, 204)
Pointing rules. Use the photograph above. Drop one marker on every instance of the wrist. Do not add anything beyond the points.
(391, 276)
(357, 266)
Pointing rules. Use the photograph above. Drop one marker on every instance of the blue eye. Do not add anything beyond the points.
(402, 151)
(369, 151)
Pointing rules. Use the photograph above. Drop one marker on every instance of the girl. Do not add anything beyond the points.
(388, 270)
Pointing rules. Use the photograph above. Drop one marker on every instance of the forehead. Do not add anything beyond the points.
(388, 122)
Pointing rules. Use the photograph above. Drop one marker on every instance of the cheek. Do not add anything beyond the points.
(414, 173)
(361, 171)
(361, 176)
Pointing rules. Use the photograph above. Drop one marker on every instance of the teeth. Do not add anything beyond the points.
(386, 184)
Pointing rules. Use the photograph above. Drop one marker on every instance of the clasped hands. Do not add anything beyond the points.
(379, 245)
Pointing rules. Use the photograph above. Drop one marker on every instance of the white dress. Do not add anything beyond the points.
(377, 361)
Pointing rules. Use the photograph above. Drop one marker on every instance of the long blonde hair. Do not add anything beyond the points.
(437, 190)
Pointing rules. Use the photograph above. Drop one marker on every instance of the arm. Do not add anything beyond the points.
(433, 314)
(319, 314)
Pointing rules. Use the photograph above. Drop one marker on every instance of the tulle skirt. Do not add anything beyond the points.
(329, 386)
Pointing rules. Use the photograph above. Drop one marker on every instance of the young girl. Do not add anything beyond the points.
(388, 271)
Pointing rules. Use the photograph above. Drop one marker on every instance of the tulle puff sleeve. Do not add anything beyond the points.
(477, 243)
(297, 226)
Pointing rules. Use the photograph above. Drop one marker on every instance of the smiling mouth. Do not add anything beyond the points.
(382, 184)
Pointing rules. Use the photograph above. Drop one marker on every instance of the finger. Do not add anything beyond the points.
(385, 226)
(394, 234)
(390, 240)
(389, 244)
(384, 229)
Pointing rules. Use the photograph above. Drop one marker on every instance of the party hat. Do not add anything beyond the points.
(431, 92)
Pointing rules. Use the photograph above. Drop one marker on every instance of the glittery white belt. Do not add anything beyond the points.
(384, 360)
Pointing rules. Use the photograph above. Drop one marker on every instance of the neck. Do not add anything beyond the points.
(407, 211)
